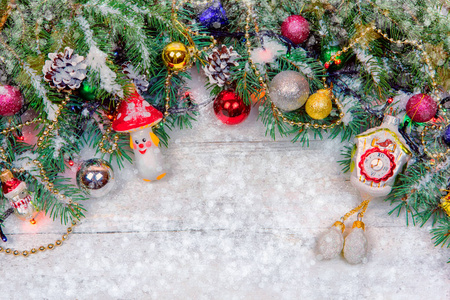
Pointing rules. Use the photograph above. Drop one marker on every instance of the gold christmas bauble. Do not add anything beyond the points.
(319, 104)
(176, 56)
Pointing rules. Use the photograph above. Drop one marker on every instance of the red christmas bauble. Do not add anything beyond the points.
(230, 108)
(421, 108)
(11, 100)
(295, 28)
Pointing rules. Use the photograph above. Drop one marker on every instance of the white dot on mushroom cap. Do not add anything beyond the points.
(147, 114)
(119, 115)
(145, 104)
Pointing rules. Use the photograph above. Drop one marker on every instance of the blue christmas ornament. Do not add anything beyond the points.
(214, 16)
(446, 136)
(4, 239)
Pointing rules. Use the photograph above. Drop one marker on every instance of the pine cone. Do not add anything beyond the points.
(64, 70)
(220, 61)
(140, 81)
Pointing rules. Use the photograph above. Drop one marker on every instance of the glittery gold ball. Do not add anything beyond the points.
(176, 56)
(319, 104)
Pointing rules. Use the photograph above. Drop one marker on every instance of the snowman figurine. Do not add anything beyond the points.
(19, 197)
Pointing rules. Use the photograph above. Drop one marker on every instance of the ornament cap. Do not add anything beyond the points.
(358, 224)
(388, 119)
(6, 175)
(340, 225)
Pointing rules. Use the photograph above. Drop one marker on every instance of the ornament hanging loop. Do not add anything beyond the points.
(359, 217)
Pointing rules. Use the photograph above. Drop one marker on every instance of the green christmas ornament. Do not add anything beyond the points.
(325, 58)
(87, 92)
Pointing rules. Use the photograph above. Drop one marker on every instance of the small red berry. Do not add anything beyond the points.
(338, 62)
(70, 162)
(390, 100)
(327, 65)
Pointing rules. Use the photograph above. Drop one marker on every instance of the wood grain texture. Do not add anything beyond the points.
(236, 218)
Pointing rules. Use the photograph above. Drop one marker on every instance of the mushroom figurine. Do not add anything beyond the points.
(137, 116)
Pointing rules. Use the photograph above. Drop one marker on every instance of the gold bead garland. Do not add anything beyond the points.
(405, 42)
(49, 186)
(276, 112)
(167, 92)
(186, 32)
(426, 150)
(438, 155)
(44, 178)
(279, 115)
(50, 246)
(105, 137)
(54, 123)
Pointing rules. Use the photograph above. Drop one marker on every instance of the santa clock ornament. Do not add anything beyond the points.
(137, 116)
(19, 197)
(379, 155)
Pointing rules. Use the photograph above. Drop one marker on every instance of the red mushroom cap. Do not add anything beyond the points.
(135, 113)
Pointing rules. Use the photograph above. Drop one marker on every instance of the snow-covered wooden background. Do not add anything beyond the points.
(236, 218)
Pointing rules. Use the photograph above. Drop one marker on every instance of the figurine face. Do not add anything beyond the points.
(142, 144)
(142, 141)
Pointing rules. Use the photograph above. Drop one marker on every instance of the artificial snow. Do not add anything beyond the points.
(369, 62)
(57, 143)
(196, 85)
(267, 54)
(348, 102)
(96, 59)
(49, 107)
(399, 103)
(25, 161)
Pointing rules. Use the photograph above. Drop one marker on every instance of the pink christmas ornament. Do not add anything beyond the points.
(11, 100)
(295, 28)
(421, 108)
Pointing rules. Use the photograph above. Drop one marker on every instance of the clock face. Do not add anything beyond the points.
(377, 165)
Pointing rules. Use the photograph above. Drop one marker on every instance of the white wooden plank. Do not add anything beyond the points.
(236, 218)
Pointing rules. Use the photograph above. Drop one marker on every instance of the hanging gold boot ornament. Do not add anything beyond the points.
(378, 156)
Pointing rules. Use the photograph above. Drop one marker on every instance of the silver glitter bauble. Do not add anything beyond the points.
(289, 90)
(355, 246)
(330, 244)
(96, 177)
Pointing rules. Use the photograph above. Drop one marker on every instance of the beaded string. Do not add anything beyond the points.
(45, 180)
(6, 14)
(187, 33)
(426, 150)
(50, 246)
(276, 112)
(361, 207)
(433, 155)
